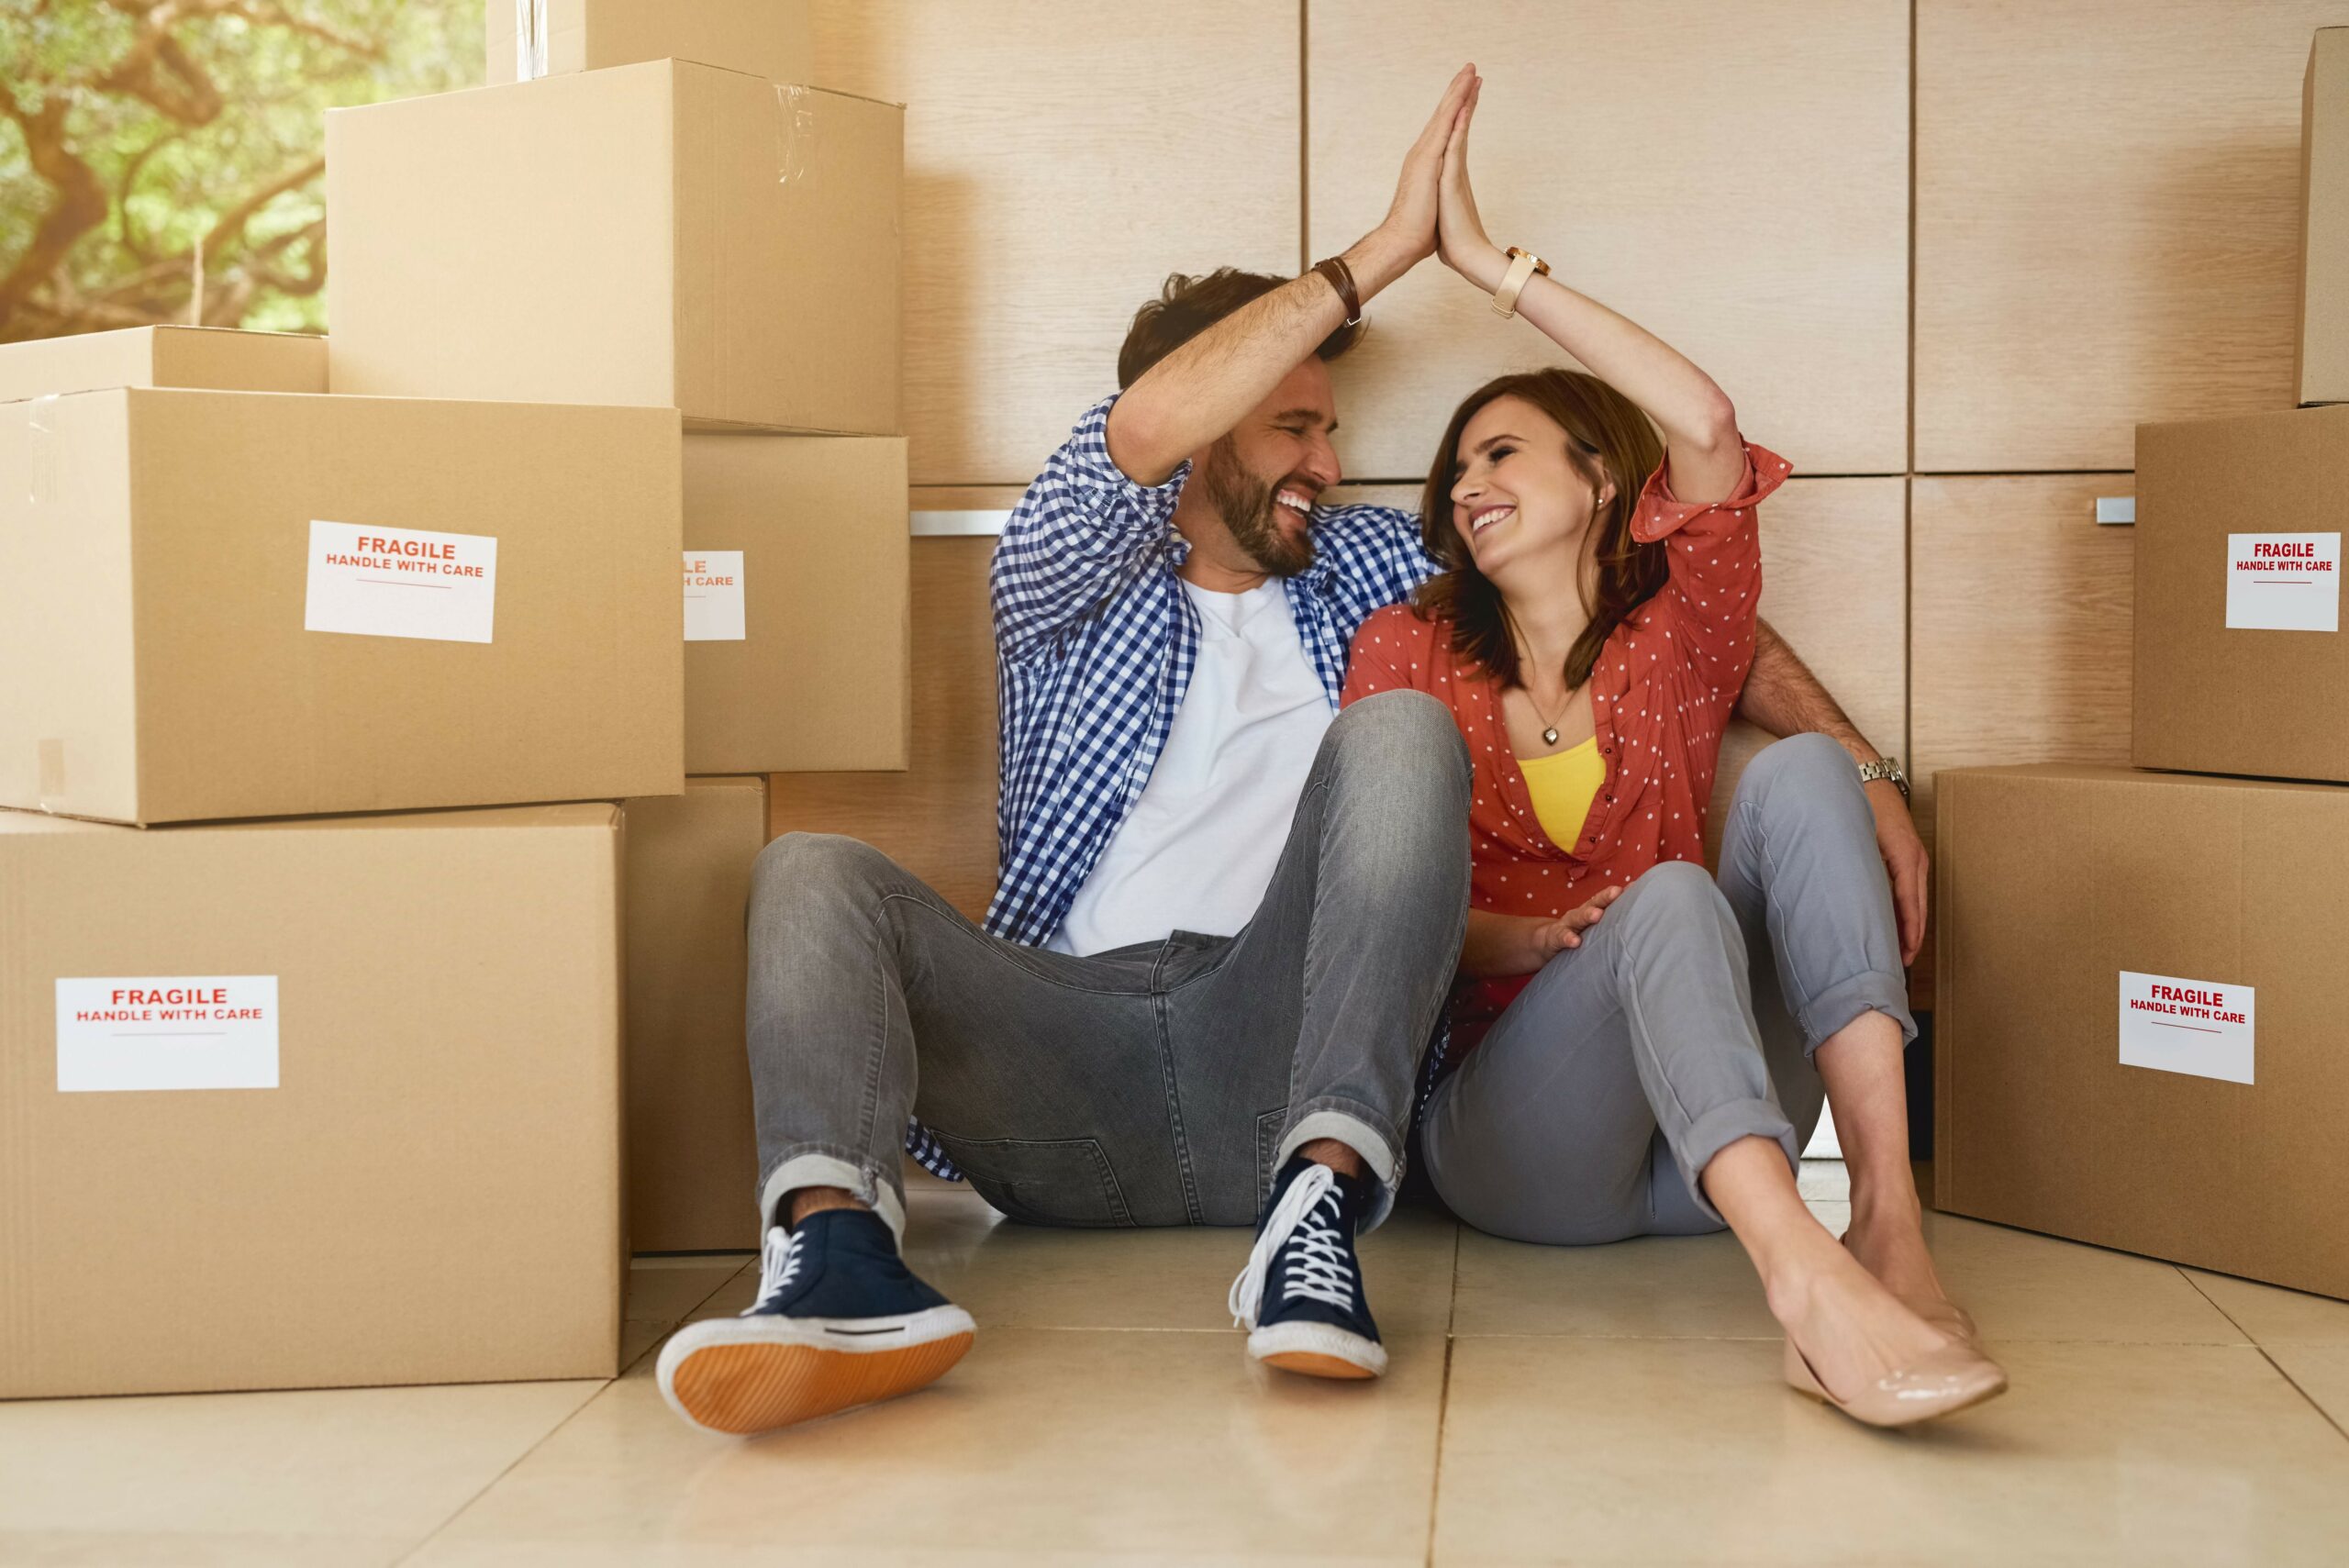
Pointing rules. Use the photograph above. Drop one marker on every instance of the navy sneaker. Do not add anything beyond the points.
(839, 1321)
(1300, 1295)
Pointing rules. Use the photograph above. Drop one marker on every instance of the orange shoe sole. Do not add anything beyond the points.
(1311, 1364)
(745, 1388)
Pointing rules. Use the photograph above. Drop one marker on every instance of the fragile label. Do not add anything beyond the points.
(214, 1031)
(2284, 582)
(714, 596)
(372, 581)
(2197, 1026)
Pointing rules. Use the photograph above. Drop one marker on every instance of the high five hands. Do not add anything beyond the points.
(1409, 228)
(1460, 240)
(1434, 211)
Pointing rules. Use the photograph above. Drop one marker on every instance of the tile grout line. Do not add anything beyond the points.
(1443, 1396)
(2323, 1414)
(606, 1385)
(504, 1471)
(2266, 1354)
(1114, 1328)
(1773, 1338)
(1435, 1480)
(2195, 1287)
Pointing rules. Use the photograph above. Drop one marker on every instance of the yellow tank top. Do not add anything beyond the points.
(1562, 786)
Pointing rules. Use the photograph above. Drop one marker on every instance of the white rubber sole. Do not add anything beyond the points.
(752, 1375)
(1318, 1349)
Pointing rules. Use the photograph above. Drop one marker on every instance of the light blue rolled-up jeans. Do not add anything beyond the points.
(1685, 1021)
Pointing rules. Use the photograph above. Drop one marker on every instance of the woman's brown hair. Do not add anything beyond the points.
(1608, 437)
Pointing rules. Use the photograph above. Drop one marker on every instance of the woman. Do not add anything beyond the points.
(1637, 1049)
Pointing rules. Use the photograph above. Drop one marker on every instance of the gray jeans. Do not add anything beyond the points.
(1684, 1021)
(1156, 1085)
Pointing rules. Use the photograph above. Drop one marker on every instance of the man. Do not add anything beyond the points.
(1228, 915)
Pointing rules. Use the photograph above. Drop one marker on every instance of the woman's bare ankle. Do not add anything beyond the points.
(1794, 1274)
(1888, 1236)
(1847, 1324)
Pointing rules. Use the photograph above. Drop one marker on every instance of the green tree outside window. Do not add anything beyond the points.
(147, 144)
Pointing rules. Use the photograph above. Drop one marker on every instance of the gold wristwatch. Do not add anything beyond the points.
(1524, 266)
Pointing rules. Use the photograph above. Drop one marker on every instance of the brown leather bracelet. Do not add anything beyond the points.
(1341, 278)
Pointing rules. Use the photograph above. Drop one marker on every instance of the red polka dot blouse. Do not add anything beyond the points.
(1661, 695)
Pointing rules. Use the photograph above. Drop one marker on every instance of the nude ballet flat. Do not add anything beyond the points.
(1941, 1313)
(1949, 1317)
(1941, 1384)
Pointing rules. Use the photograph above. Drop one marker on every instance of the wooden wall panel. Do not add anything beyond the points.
(1834, 582)
(2019, 638)
(1731, 173)
(937, 817)
(2107, 221)
(1060, 162)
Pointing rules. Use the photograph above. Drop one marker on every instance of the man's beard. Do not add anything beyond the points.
(1246, 504)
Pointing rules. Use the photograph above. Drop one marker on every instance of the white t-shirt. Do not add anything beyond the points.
(1199, 848)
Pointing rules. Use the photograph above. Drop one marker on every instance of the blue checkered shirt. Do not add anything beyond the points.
(1094, 643)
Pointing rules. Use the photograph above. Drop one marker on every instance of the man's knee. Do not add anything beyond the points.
(1803, 779)
(800, 866)
(1799, 765)
(1397, 736)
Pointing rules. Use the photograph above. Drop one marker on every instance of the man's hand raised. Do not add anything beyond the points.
(1197, 394)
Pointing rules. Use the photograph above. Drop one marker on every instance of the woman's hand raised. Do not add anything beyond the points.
(1460, 240)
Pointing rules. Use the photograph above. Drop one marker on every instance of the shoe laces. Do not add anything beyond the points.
(1307, 1224)
(779, 1262)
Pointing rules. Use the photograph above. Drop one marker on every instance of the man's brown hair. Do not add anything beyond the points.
(1608, 437)
(1187, 307)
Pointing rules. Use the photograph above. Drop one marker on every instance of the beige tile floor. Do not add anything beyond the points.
(1610, 1405)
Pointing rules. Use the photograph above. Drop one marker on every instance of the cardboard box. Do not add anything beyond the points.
(693, 1147)
(2241, 666)
(2320, 352)
(219, 358)
(797, 555)
(2138, 1041)
(192, 628)
(530, 38)
(374, 1136)
(666, 233)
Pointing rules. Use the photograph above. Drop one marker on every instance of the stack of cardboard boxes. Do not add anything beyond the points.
(332, 1054)
(2143, 1035)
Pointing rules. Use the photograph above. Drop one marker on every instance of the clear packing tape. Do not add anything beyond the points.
(799, 139)
(40, 457)
(800, 134)
(41, 418)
